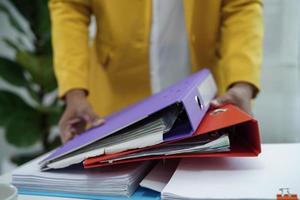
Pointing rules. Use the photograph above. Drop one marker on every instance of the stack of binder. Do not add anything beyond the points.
(174, 123)
(225, 132)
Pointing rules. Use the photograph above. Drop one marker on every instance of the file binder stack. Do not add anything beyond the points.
(172, 114)
(175, 123)
(225, 132)
(171, 124)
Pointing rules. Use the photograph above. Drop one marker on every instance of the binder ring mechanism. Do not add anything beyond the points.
(286, 195)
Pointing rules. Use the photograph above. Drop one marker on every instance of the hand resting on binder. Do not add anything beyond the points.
(240, 94)
(77, 115)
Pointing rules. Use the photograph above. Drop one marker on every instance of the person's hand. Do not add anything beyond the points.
(240, 94)
(77, 115)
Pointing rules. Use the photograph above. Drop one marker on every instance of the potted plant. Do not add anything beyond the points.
(26, 124)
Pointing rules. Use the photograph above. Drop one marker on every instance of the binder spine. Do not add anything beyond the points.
(197, 101)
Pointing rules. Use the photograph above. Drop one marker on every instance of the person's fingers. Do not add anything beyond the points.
(72, 128)
(67, 115)
(222, 100)
(64, 128)
(74, 121)
(93, 119)
(79, 127)
(67, 136)
(231, 98)
(67, 133)
(76, 118)
(68, 125)
(98, 122)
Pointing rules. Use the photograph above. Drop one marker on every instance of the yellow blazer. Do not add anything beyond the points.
(224, 35)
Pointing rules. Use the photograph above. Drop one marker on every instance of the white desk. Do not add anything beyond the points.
(291, 155)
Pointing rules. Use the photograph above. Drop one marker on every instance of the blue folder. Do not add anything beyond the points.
(140, 194)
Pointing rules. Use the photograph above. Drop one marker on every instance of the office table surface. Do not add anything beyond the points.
(7, 178)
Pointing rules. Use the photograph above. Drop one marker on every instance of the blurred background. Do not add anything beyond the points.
(28, 86)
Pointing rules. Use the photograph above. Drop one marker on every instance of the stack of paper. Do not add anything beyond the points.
(112, 181)
(237, 178)
(217, 143)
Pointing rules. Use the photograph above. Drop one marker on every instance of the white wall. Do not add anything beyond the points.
(278, 105)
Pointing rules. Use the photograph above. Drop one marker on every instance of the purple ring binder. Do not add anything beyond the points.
(187, 92)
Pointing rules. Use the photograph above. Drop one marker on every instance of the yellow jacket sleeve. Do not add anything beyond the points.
(241, 42)
(70, 21)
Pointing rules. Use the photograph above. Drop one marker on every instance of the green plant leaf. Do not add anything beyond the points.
(12, 72)
(34, 94)
(42, 29)
(30, 63)
(49, 79)
(10, 103)
(25, 8)
(23, 129)
(40, 69)
(11, 18)
(11, 44)
(37, 14)
(45, 47)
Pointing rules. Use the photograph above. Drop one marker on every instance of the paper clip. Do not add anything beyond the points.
(286, 195)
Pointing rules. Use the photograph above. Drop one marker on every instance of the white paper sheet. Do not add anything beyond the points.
(238, 178)
(160, 175)
(221, 144)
